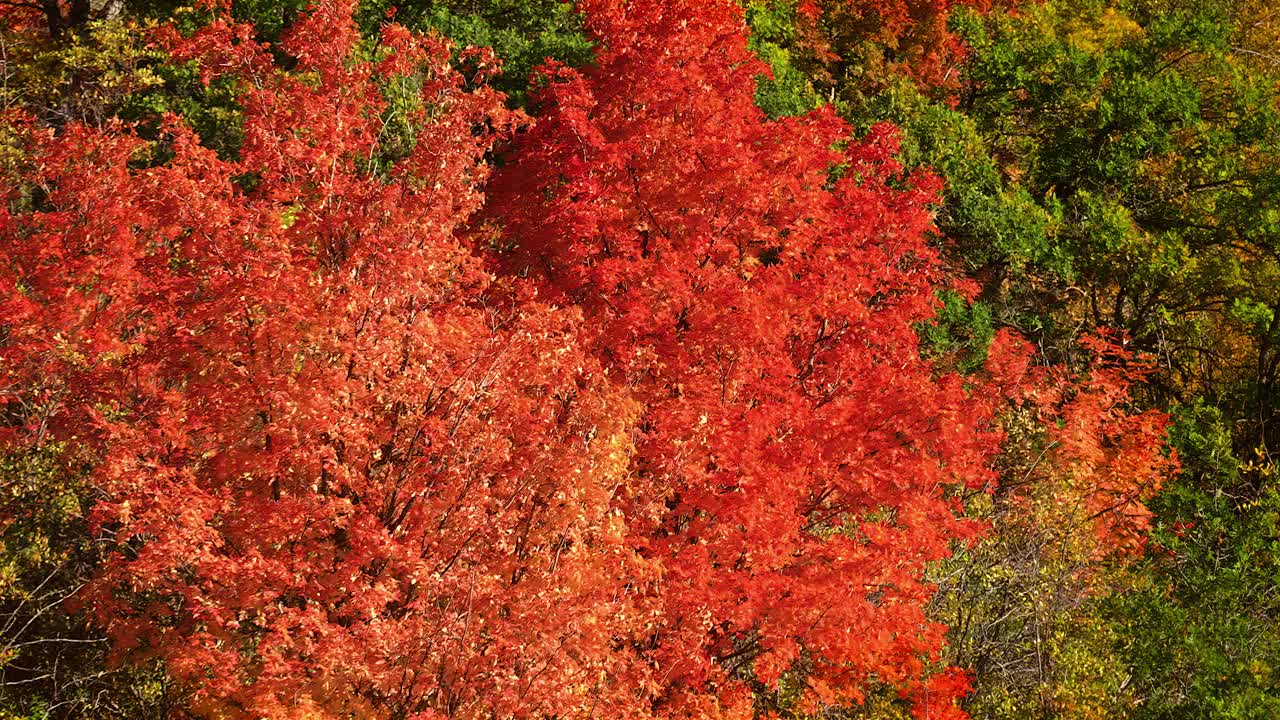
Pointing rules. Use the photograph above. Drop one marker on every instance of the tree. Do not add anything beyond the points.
(1069, 523)
(341, 476)
(1149, 128)
(756, 289)
(1198, 626)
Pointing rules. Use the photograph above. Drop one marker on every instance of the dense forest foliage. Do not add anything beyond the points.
(489, 359)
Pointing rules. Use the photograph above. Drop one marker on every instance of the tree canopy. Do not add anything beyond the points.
(638, 359)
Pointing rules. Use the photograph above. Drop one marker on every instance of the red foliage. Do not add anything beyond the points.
(880, 37)
(1100, 460)
(19, 18)
(341, 479)
(791, 470)
(1113, 459)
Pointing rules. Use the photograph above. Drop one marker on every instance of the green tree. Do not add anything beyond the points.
(1201, 627)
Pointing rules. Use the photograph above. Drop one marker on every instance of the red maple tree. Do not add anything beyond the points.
(756, 287)
(341, 476)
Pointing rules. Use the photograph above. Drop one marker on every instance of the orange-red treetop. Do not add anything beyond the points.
(756, 287)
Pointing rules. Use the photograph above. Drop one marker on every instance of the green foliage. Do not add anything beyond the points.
(961, 330)
(1202, 632)
(990, 220)
(522, 33)
(1139, 123)
(51, 664)
(91, 76)
(1138, 128)
(789, 92)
